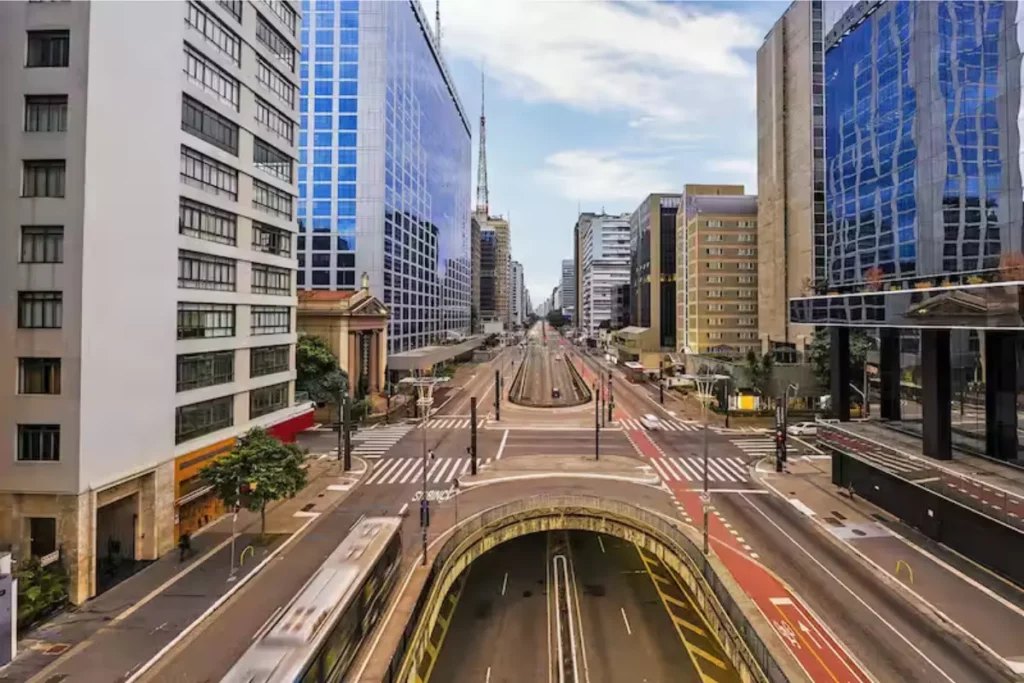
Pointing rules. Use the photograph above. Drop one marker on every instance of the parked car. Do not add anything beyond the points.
(650, 422)
(803, 429)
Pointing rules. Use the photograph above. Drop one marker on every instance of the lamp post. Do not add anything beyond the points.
(597, 421)
(705, 384)
(425, 391)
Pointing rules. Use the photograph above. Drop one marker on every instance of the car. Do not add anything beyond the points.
(803, 429)
(650, 422)
(555, 393)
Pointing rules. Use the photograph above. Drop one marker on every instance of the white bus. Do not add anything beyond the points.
(317, 636)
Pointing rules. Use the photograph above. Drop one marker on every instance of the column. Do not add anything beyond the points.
(840, 376)
(936, 390)
(1001, 394)
(889, 371)
(353, 363)
(374, 363)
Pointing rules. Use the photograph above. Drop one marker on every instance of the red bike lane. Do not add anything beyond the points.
(820, 654)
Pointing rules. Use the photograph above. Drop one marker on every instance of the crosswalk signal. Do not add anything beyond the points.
(424, 513)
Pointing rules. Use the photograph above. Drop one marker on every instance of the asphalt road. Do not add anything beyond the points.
(503, 629)
(546, 369)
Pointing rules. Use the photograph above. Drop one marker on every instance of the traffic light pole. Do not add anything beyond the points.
(611, 398)
(348, 434)
(597, 422)
(472, 433)
(497, 395)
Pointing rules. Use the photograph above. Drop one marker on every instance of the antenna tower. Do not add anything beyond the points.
(437, 22)
(481, 170)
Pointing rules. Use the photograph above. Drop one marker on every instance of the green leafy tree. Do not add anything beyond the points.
(41, 590)
(314, 360)
(259, 471)
(556, 319)
(759, 371)
(820, 354)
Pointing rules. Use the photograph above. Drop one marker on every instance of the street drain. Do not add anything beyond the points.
(838, 515)
(308, 506)
(833, 521)
(859, 532)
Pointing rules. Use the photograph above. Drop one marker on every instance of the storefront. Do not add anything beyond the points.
(195, 502)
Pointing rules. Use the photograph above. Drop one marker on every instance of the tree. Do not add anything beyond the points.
(820, 352)
(556, 319)
(313, 361)
(759, 371)
(259, 471)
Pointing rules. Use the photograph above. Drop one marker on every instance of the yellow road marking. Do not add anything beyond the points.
(708, 656)
(432, 651)
(677, 603)
(693, 627)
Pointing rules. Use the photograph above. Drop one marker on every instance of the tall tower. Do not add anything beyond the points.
(481, 170)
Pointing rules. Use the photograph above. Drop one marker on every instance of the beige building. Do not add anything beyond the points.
(721, 271)
(355, 325)
(790, 167)
(501, 277)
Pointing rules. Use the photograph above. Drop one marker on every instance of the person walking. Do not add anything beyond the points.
(184, 546)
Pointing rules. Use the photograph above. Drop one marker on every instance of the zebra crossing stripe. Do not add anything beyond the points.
(682, 472)
(656, 462)
(698, 473)
(720, 470)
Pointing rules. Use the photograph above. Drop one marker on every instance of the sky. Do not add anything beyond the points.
(594, 104)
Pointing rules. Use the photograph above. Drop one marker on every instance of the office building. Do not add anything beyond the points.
(568, 288)
(148, 190)
(474, 242)
(652, 262)
(516, 310)
(922, 209)
(577, 254)
(604, 266)
(384, 149)
(790, 168)
(495, 265)
(556, 299)
(620, 306)
(721, 271)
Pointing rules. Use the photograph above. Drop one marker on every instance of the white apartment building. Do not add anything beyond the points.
(517, 303)
(604, 262)
(567, 287)
(147, 168)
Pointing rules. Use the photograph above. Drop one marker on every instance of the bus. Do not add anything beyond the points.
(317, 636)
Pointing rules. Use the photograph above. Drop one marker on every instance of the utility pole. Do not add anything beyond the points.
(598, 385)
(611, 398)
(341, 425)
(497, 395)
(348, 434)
(424, 504)
(472, 434)
(661, 382)
(597, 422)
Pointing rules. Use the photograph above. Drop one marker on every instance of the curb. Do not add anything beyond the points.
(198, 621)
(912, 598)
(652, 481)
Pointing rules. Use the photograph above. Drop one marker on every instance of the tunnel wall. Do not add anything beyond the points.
(515, 392)
(746, 636)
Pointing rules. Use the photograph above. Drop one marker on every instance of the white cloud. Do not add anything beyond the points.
(664, 64)
(737, 171)
(600, 176)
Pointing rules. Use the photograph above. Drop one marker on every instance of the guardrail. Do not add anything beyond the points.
(738, 634)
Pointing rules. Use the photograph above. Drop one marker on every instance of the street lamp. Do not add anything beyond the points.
(425, 398)
(705, 384)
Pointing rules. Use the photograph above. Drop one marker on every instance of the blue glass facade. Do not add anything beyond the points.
(384, 179)
(921, 142)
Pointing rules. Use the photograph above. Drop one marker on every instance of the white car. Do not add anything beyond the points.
(803, 429)
(650, 422)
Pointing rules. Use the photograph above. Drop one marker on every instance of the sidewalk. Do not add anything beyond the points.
(112, 635)
(972, 602)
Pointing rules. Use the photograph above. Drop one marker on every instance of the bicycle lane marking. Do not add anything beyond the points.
(820, 654)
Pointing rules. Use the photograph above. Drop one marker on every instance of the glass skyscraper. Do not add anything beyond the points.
(384, 175)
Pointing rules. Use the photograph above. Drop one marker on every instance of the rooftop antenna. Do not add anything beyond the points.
(482, 197)
(437, 22)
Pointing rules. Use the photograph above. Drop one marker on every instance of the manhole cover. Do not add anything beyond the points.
(859, 532)
(58, 649)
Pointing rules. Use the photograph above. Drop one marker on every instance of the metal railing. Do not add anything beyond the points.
(740, 634)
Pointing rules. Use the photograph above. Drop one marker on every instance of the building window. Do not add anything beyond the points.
(285, 13)
(39, 375)
(268, 399)
(272, 119)
(208, 75)
(209, 175)
(271, 280)
(197, 370)
(275, 42)
(208, 125)
(214, 30)
(206, 222)
(267, 360)
(46, 113)
(204, 321)
(271, 240)
(48, 49)
(747, 238)
(43, 178)
(747, 266)
(271, 200)
(271, 320)
(40, 310)
(271, 160)
(39, 443)
(42, 244)
(203, 271)
(233, 6)
(202, 418)
(271, 79)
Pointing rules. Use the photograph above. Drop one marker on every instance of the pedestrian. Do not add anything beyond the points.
(184, 546)
(430, 454)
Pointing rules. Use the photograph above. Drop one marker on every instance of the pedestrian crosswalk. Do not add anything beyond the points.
(720, 470)
(452, 423)
(756, 447)
(667, 425)
(373, 443)
(410, 470)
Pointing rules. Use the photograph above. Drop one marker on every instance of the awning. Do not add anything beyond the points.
(427, 357)
(189, 497)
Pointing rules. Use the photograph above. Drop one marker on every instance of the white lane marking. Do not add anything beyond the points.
(433, 467)
(415, 474)
(661, 473)
(504, 583)
(679, 468)
(405, 508)
(488, 678)
(721, 471)
(628, 629)
(850, 591)
(501, 448)
(398, 471)
(600, 542)
(382, 467)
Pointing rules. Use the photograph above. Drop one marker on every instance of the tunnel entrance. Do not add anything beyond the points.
(548, 378)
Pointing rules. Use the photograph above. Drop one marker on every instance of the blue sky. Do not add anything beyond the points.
(596, 103)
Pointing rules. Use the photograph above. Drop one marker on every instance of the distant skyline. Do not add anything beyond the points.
(593, 104)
